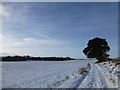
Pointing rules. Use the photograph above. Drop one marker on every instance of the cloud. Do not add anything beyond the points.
(11, 42)
(12, 46)
(46, 42)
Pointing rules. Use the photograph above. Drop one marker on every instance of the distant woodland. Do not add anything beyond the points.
(28, 58)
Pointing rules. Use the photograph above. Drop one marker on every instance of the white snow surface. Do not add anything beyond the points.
(110, 71)
(54, 74)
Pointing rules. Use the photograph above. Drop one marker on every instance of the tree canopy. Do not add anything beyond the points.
(97, 48)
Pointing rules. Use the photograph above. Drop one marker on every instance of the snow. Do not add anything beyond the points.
(56, 74)
(110, 72)
(39, 74)
(94, 79)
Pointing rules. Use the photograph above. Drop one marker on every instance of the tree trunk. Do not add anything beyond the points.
(100, 59)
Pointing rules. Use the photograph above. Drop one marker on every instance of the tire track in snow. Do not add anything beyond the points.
(76, 80)
(94, 79)
(82, 77)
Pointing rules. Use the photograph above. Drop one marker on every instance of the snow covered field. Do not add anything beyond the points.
(53, 74)
(110, 71)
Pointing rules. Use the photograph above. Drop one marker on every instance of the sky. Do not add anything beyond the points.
(57, 28)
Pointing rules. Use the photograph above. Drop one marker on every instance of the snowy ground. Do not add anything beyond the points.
(110, 71)
(55, 74)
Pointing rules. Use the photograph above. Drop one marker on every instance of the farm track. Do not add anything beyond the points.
(94, 79)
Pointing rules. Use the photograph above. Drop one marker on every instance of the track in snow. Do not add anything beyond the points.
(94, 79)
(91, 79)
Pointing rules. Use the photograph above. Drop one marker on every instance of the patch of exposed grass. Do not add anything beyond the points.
(112, 80)
(58, 82)
(82, 70)
(117, 62)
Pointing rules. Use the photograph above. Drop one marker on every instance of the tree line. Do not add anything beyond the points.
(27, 58)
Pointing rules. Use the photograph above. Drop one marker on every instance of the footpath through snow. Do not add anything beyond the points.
(94, 79)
